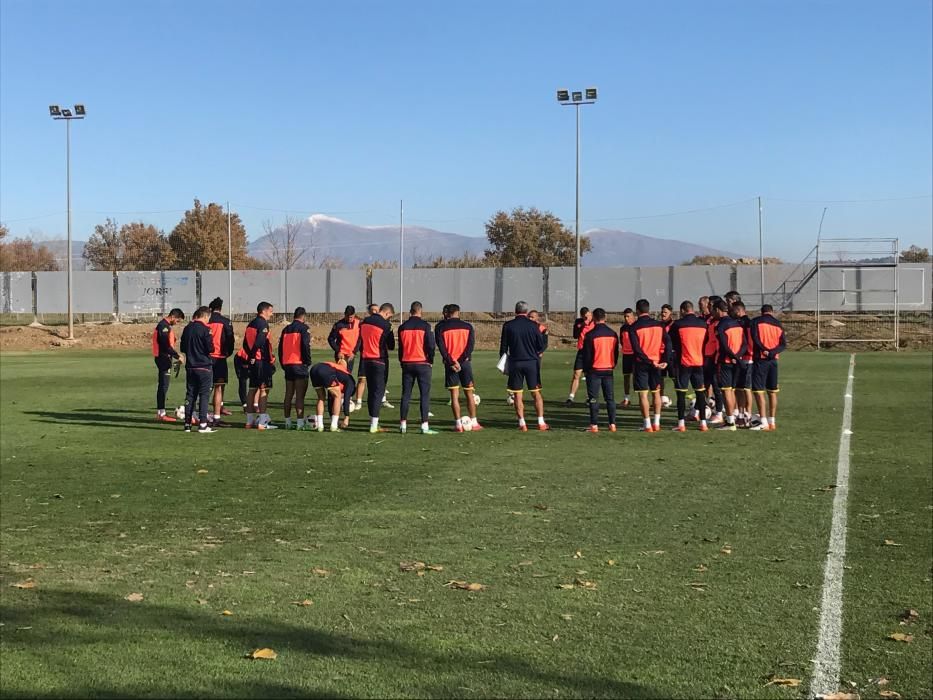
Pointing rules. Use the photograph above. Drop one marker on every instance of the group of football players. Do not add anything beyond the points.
(716, 351)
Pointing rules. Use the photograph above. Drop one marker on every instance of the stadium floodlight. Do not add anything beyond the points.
(576, 100)
(66, 115)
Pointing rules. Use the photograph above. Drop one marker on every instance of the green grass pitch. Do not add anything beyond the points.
(706, 550)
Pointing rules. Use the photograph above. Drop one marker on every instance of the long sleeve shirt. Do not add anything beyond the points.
(197, 344)
(377, 338)
(600, 349)
(295, 344)
(521, 339)
(416, 342)
(455, 340)
(650, 344)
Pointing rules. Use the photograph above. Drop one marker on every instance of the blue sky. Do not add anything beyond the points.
(346, 108)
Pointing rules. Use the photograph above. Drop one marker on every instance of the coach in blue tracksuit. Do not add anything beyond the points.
(523, 342)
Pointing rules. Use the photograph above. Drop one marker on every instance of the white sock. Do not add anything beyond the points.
(647, 422)
(334, 421)
(319, 420)
(373, 422)
(425, 426)
(657, 419)
(570, 397)
(301, 422)
(680, 423)
(730, 420)
(403, 423)
(771, 420)
(540, 420)
(474, 421)
(288, 423)
(626, 397)
(161, 411)
(521, 422)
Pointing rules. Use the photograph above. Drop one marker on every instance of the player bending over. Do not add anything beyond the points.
(332, 381)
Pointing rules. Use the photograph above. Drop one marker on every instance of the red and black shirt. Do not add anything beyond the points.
(376, 338)
(416, 342)
(650, 344)
(455, 340)
(600, 350)
(731, 340)
(295, 344)
(163, 341)
(767, 335)
(221, 335)
(257, 342)
(344, 338)
(688, 336)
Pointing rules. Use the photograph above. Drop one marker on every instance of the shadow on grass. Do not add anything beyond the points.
(64, 624)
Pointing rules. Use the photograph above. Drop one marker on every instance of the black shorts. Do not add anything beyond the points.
(627, 362)
(687, 377)
(463, 378)
(163, 364)
(766, 375)
(323, 376)
(260, 375)
(647, 377)
(727, 375)
(524, 373)
(578, 361)
(221, 373)
(293, 372)
(745, 375)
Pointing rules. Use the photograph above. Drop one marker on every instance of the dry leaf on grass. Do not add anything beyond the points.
(201, 601)
(889, 694)
(226, 613)
(700, 568)
(464, 586)
(433, 567)
(539, 506)
(901, 637)
(202, 471)
(892, 543)
(303, 603)
(610, 562)
(566, 616)
(909, 616)
(28, 583)
(264, 653)
(411, 566)
(786, 682)
(654, 551)
(727, 549)
(578, 583)
(320, 572)
(830, 487)
(133, 597)
(578, 554)
(526, 562)
(839, 696)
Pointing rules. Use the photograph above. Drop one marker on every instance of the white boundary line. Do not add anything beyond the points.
(825, 678)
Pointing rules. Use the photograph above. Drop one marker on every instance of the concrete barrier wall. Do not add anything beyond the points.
(481, 290)
(150, 293)
(16, 292)
(92, 292)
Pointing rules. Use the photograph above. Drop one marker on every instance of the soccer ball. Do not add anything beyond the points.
(665, 401)
(510, 400)
(180, 413)
(476, 399)
(466, 423)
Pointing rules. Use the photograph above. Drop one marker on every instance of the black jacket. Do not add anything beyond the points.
(197, 344)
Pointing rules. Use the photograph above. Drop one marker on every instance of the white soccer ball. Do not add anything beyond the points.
(510, 400)
(466, 423)
(476, 399)
(665, 401)
(180, 413)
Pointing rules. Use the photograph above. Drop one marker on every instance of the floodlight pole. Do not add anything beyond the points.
(401, 256)
(576, 269)
(71, 321)
(229, 263)
(761, 256)
(564, 98)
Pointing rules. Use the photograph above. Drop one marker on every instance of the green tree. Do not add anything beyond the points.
(915, 254)
(531, 238)
(199, 241)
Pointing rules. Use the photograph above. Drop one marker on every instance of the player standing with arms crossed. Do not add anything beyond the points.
(416, 347)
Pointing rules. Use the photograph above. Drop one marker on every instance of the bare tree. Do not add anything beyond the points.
(285, 251)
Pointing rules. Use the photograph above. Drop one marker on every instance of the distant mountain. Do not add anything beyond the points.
(325, 237)
(613, 248)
